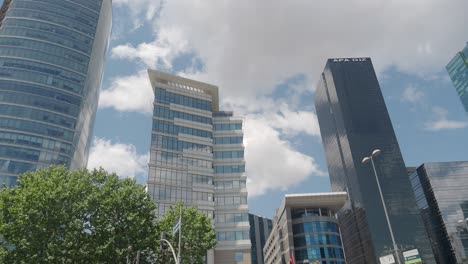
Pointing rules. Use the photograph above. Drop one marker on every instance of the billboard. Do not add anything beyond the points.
(388, 259)
(412, 257)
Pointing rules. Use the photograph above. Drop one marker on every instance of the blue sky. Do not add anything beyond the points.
(266, 57)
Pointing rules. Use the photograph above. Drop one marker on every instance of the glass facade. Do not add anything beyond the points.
(260, 229)
(353, 122)
(51, 65)
(442, 197)
(458, 71)
(197, 157)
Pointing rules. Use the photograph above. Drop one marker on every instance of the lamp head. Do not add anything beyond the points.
(376, 152)
(366, 160)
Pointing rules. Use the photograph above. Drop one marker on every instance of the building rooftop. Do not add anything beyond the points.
(332, 200)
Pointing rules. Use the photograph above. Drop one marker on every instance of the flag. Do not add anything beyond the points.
(291, 259)
(176, 227)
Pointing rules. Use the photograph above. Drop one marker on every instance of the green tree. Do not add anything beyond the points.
(198, 235)
(60, 216)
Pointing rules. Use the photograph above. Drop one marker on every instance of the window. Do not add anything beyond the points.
(239, 256)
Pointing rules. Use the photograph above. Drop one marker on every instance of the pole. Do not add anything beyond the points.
(172, 250)
(395, 247)
(138, 257)
(180, 234)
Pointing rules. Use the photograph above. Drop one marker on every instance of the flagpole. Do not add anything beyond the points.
(180, 232)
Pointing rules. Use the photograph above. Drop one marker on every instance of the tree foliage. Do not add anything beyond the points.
(61, 216)
(198, 235)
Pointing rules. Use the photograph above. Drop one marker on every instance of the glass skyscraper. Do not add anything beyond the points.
(260, 229)
(442, 197)
(353, 122)
(458, 71)
(51, 66)
(197, 157)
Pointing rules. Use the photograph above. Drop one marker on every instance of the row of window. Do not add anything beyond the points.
(162, 95)
(42, 91)
(230, 184)
(163, 158)
(36, 101)
(43, 68)
(232, 235)
(315, 227)
(317, 239)
(306, 212)
(17, 167)
(78, 17)
(60, 20)
(180, 194)
(39, 115)
(231, 218)
(52, 29)
(167, 113)
(229, 169)
(239, 154)
(91, 4)
(319, 253)
(175, 144)
(44, 47)
(231, 200)
(164, 208)
(46, 36)
(35, 141)
(228, 140)
(32, 155)
(35, 127)
(169, 128)
(40, 78)
(231, 126)
(32, 54)
(177, 177)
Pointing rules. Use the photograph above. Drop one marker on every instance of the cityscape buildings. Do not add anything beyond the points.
(51, 67)
(260, 229)
(442, 198)
(197, 157)
(354, 122)
(458, 71)
(305, 229)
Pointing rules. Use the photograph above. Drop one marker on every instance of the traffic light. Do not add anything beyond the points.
(163, 244)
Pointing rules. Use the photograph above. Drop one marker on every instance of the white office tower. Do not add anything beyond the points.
(197, 157)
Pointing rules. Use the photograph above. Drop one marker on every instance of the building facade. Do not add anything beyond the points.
(197, 157)
(354, 121)
(442, 197)
(260, 229)
(305, 229)
(51, 67)
(458, 71)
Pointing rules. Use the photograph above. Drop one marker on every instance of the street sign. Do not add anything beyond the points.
(388, 259)
(412, 257)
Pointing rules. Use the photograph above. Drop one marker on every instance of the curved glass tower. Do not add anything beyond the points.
(51, 66)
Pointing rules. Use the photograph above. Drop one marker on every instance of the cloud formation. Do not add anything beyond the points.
(412, 95)
(120, 158)
(248, 47)
(129, 93)
(441, 121)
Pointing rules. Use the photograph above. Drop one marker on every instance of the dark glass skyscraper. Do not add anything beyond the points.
(442, 197)
(51, 66)
(458, 71)
(353, 122)
(260, 229)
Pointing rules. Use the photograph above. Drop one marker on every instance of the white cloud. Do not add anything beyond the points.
(140, 10)
(161, 52)
(441, 121)
(248, 47)
(120, 158)
(129, 93)
(412, 95)
(272, 163)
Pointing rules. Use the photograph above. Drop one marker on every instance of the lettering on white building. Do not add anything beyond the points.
(350, 60)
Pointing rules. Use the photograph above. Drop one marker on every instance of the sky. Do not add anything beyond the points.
(266, 57)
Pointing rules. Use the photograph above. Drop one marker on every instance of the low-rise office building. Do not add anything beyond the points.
(305, 229)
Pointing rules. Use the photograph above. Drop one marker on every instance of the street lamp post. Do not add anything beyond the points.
(375, 153)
